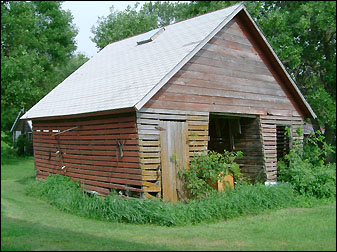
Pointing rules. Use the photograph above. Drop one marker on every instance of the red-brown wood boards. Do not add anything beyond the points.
(101, 152)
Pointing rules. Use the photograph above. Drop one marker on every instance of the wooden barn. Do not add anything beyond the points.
(209, 82)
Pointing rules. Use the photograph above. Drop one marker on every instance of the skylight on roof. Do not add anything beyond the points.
(150, 36)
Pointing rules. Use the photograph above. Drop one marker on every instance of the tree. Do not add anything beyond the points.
(302, 33)
(123, 24)
(37, 38)
(72, 64)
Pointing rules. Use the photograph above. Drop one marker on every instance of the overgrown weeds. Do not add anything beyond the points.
(306, 169)
(246, 199)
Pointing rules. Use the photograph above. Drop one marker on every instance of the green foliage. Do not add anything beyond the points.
(37, 37)
(305, 167)
(206, 169)
(73, 63)
(303, 35)
(119, 25)
(123, 24)
(7, 150)
(324, 105)
(244, 200)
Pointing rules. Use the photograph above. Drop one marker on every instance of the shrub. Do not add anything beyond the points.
(305, 167)
(206, 169)
(7, 150)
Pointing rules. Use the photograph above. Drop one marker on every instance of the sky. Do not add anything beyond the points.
(86, 14)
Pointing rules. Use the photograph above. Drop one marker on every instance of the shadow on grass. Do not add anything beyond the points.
(26, 180)
(21, 235)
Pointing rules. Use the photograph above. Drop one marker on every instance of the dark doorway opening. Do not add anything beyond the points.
(238, 133)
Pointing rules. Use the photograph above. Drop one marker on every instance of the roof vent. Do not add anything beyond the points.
(150, 36)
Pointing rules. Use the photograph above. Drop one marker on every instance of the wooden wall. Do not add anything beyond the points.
(148, 121)
(232, 74)
(250, 143)
(268, 126)
(90, 153)
(228, 74)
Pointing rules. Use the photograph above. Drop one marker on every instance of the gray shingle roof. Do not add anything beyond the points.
(123, 73)
(126, 75)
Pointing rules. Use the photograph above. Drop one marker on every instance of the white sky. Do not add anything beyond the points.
(86, 14)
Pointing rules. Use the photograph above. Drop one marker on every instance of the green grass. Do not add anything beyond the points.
(246, 199)
(28, 223)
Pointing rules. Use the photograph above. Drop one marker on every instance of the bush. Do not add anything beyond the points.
(305, 168)
(244, 200)
(7, 150)
(206, 169)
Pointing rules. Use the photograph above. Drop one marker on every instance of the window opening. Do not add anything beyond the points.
(282, 141)
(223, 132)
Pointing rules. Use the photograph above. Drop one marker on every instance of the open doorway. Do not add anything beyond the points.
(238, 133)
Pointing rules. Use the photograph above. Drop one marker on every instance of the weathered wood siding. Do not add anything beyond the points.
(268, 125)
(231, 73)
(228, 74)
(90, 153)
(251, 144)
(148, 124)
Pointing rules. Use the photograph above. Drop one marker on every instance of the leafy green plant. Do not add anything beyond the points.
(305, 167)
(7, 150)
(206, 169)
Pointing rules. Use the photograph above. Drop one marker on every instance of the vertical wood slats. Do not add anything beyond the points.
(174, 154)
(90, 153)
(148, 124)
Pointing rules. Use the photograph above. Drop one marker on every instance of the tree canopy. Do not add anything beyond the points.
(37, 46)
(302, 33)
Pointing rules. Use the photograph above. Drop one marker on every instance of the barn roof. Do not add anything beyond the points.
(126, 74)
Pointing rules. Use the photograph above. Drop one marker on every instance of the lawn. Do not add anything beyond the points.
(31, 224)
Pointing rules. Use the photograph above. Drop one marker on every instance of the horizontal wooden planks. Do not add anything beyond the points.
(100, 151)
(228, 74)
(250, 143)
(269, 136)
(112, 169)
(96, 129)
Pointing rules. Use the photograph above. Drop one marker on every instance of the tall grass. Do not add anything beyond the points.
(244, 200)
